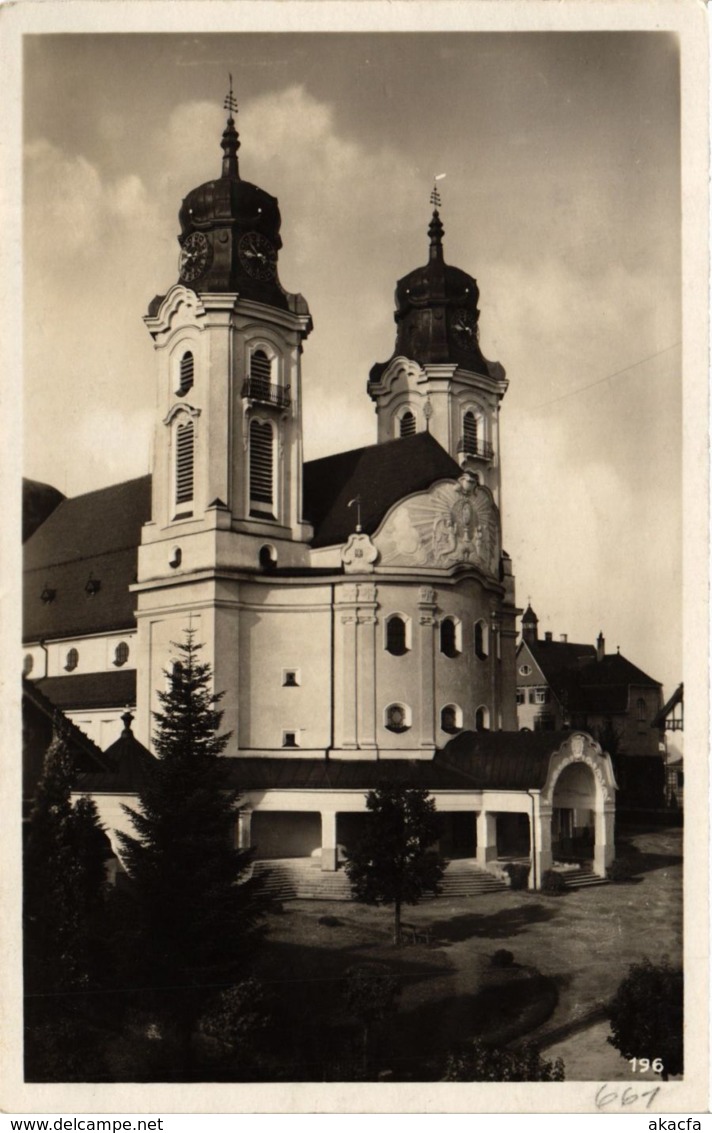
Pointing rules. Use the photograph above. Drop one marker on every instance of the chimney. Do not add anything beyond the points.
(548, 635)
(600, 647)
(564, 637)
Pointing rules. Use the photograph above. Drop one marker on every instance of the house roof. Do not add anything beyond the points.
(584, 683)
(380, 475)
(113, 689)
(95, 534)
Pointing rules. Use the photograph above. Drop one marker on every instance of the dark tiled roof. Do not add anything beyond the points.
(380, 474)
(505, 761)
(471, 761)
(38, 501)
(91, 690)
(584, 684)
(98, 534)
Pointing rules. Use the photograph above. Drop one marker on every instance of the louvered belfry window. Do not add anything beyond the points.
(469, 431)
(184, 463)
(261, 472)
(187, 373)
(260, 367)
(407, 425)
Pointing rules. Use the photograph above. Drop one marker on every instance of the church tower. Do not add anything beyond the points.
(227, 455)
(437, 379)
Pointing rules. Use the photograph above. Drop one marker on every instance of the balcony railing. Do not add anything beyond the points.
(266, 393)
(482, 449)
(673, 726)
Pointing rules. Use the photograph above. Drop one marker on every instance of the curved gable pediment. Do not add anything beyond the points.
(452, 523)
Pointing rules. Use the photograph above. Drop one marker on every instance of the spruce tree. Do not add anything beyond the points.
(195, 912)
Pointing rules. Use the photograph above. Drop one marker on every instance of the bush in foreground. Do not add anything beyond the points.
(646, 1015)
(478, 1062)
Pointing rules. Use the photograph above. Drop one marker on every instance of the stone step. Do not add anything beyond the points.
(581, 879)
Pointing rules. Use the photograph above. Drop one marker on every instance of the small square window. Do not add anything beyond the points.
(290, 739)
(291, 678)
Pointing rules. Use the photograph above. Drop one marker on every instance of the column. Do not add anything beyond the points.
(426, 610)
(348, 614)
(328, 840)
(540, 842)
(366, 660)
(244, 829)
(604, 849)
(486, 837)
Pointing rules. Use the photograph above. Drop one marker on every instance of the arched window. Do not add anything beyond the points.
(449, 637)
(261, 470)
(72, 660)
(185, 443)
(469, 432)
(451, 719)
(481, 640)
(176, 673)
(121, 654)
(396, 636)
(407, 424)
(642, 709)
(186, 373)
(482, 719)
(397, 717)
(260, 368)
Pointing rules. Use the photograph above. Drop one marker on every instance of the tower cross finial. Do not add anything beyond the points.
(230, 103)
(435, 200)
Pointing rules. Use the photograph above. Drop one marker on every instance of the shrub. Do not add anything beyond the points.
(646, 1015)
(329, 921)
(620, 870)
(502, 958)
(478, 1062)
(518, 875)
(552, 882)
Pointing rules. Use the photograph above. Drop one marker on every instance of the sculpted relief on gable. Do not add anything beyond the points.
(450, 524)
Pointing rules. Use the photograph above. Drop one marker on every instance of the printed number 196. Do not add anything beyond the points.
(642, 1065)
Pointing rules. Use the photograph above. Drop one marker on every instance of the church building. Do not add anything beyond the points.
(357, 610)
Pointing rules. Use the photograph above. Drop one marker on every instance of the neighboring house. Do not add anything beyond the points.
(563, 684)
(358, 610)
(670, 720)
(41, 722)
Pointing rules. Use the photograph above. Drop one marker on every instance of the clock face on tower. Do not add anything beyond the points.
(195, 256)
(464, 327)
(258, 255)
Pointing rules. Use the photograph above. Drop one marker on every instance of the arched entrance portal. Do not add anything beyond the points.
(573, 823)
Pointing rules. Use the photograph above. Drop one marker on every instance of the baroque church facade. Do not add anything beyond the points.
(358, 610)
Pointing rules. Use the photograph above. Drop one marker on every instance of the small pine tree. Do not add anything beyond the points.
(193, 919)
(394, 862)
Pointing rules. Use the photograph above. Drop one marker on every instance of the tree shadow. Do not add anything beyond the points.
(494, 926)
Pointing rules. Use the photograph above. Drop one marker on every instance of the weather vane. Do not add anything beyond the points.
(230, 102)
(435, 199)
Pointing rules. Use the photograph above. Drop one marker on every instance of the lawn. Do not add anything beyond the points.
(570, 953)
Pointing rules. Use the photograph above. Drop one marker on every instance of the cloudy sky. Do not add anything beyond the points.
(562, 198)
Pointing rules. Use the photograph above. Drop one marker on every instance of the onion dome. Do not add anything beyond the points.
(436, 314)
(230, 231)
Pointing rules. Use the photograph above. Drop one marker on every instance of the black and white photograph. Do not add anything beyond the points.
(362, 430)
